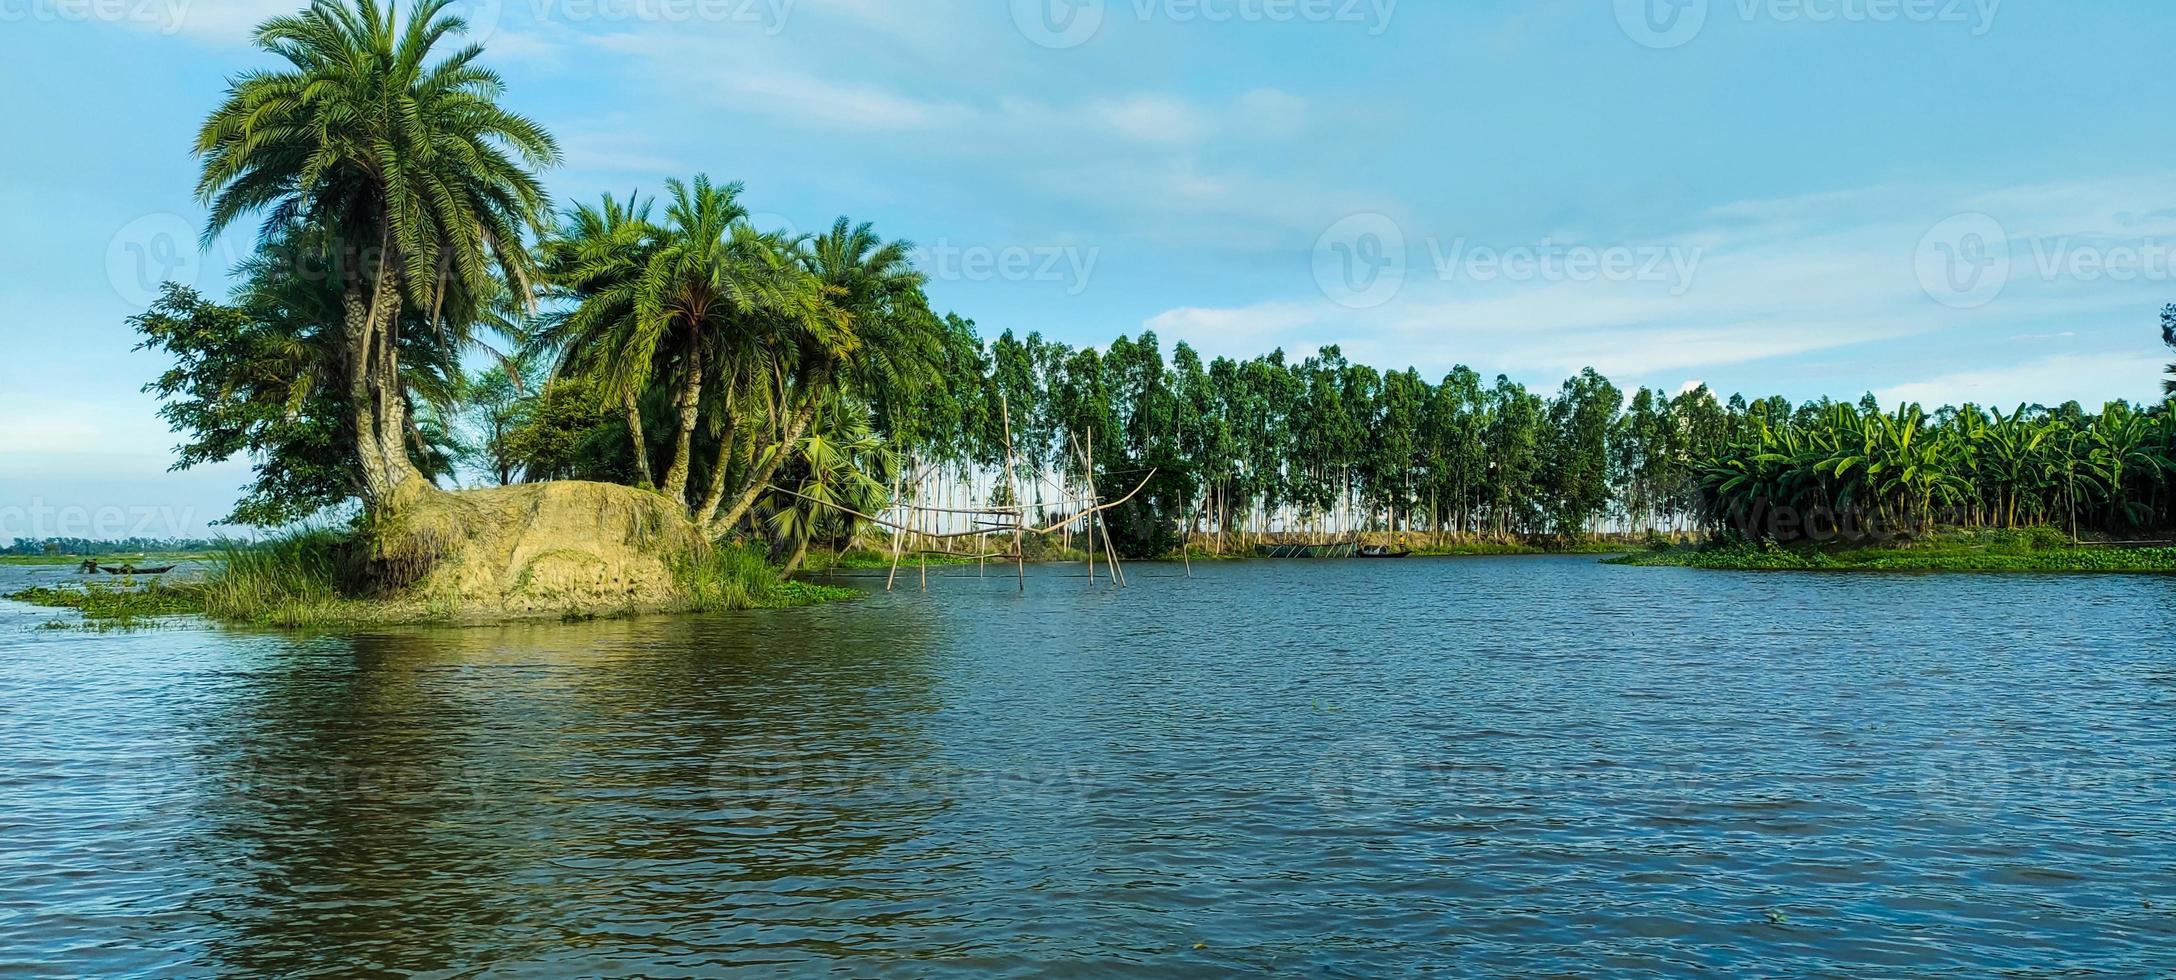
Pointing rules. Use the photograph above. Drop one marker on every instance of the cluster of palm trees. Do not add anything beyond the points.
(738, 340)
(426, 225)
(1845, 470)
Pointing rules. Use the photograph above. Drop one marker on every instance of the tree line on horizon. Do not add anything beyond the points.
(776, 386)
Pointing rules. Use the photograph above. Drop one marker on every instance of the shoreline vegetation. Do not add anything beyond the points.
(294, 582)
(683, 411)
(2044, 550)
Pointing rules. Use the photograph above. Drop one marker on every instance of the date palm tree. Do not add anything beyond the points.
(681, 304)
(423, 180)
(592, 260)
(879, 342)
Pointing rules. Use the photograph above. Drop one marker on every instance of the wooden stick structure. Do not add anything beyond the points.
(997, 521)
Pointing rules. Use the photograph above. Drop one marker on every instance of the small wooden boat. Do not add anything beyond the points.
(133, 570)
(1381, 551)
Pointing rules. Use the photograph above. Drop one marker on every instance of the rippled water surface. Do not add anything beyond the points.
(1478, 766)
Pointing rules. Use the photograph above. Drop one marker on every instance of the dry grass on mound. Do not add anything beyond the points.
(534, 549)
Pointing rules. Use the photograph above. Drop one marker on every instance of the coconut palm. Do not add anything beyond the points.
(2168, 336)
(424, 181)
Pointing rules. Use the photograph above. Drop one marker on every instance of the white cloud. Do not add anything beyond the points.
(2089, 379)
(1768, 279)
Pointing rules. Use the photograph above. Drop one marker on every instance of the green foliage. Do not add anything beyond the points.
(2168, 336)
(117, 605)
(736, 577)
(566, 431)
(1838, 471)
(297, 581)
(2042, 550)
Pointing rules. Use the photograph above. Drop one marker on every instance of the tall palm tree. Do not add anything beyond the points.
(879, 341)
(677, 304)
(593, 260)
(424, 181)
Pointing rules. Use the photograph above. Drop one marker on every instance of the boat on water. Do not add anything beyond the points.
(1383, 551)
(92, 567)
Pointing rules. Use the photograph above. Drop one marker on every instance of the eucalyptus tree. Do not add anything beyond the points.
(422, 180)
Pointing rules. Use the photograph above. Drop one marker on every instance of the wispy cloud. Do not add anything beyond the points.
(2090, 379)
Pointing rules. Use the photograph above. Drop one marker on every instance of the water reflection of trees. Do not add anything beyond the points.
(552, 794)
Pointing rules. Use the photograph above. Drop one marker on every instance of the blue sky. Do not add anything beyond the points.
(1935, 199)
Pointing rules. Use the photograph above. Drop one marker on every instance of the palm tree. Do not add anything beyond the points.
(593, 260)
(879, 341)
(840, 465)
(422, 178)
(682, 304)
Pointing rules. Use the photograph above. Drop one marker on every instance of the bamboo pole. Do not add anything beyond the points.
(1012, 481)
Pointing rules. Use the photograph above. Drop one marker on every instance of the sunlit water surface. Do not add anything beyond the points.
(1349, 768)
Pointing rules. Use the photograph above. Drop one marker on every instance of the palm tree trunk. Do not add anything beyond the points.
(375, 404)
(800, 554)
(715, 494)
(761, 479)
(392, 400)
(641, 442)
(356, 330)
(690, 404)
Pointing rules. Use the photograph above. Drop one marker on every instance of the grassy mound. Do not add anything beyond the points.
(549, 550)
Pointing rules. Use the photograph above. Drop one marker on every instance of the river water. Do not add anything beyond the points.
(1521, 765)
